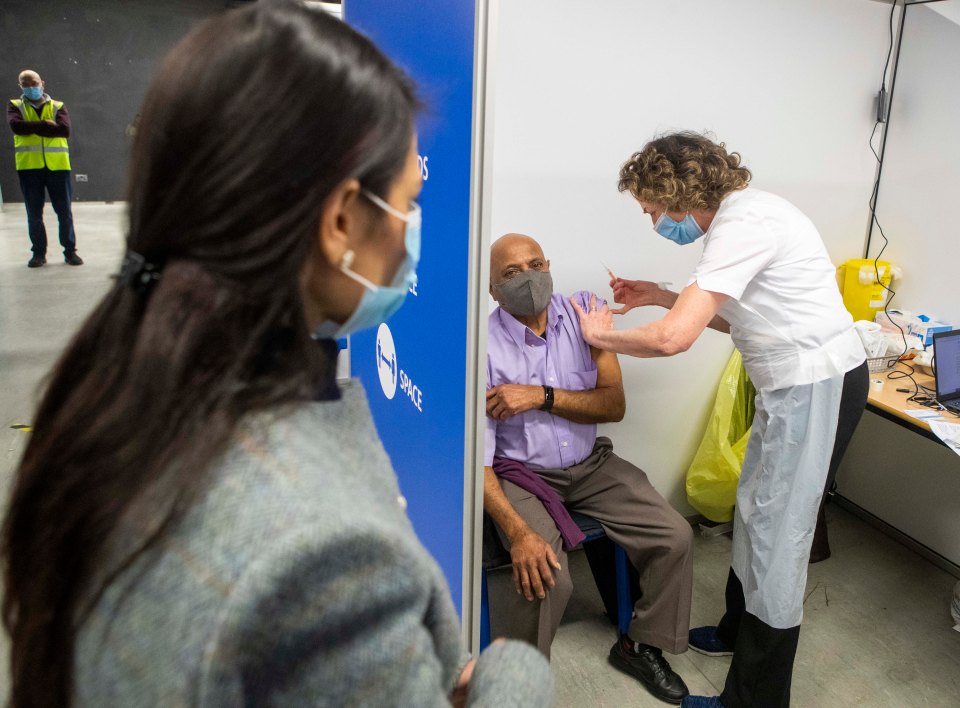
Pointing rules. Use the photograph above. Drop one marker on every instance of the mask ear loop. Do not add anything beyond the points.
(345, 262)
(412, 217)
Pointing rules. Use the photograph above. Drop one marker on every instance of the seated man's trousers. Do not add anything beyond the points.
(654, 535)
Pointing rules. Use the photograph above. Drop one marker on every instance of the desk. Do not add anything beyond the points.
(893, 405)
(896, 480)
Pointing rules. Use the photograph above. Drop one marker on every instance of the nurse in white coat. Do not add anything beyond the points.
(765, 277)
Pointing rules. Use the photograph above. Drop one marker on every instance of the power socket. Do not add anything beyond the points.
(883, 105)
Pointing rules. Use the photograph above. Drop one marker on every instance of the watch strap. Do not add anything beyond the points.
(547, 398)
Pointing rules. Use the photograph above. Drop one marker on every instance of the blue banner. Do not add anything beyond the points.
(414, 367)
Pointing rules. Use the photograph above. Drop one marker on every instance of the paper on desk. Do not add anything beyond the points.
(925, 414)
(948, 432)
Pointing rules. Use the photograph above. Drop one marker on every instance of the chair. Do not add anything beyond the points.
(618, 596)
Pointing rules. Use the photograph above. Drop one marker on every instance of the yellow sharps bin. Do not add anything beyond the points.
(863, 294)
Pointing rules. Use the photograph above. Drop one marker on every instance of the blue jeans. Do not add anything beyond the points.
(57, 184)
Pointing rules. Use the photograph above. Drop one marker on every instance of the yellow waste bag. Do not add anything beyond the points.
(715, 471)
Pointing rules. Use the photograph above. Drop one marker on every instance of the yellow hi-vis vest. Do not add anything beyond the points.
(34, 152)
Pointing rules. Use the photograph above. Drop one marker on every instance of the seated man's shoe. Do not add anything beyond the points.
(73, 259)
(647, 665)
(705, 641)
(701, 702)
(36, 262)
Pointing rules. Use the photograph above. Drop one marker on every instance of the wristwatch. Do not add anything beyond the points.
(547, 398)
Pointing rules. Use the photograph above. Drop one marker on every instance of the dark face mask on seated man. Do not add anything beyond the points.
(526, 294)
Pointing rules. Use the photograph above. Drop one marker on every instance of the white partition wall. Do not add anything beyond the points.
(580, 86)
(917, 201)
(909, 483)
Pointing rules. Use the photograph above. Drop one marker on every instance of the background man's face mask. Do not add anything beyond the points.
(526, 294)
(34, 93)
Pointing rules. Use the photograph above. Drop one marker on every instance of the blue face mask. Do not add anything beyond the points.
(680, 232)
(33, 93)
(379, 302)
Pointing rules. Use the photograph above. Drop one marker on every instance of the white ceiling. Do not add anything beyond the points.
(948, 8)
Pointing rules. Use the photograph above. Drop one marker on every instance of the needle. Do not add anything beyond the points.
(609, 272)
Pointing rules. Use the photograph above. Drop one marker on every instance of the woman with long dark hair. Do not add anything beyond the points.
(201, 516)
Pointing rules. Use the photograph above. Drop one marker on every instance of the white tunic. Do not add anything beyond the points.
(785, 311)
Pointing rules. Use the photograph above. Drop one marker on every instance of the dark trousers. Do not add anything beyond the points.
(56, 183)
(853, 401)
(852, 404)
(762, 668)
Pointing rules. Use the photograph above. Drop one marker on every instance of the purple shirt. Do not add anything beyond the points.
(562, 360)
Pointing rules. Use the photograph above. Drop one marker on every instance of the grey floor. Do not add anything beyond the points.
(877, 629)
(39, 311)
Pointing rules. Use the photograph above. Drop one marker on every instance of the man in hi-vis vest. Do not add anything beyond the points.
(41, 127)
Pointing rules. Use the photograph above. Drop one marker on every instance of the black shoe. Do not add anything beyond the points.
(36, 262)
(73, 259)
(647, 665)
(706, 641)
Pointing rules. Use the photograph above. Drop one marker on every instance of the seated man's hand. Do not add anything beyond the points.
(633, 293)
(461, 691)
(507, 400)
(533, 561)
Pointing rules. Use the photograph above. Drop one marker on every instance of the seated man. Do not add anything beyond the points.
(547, 390)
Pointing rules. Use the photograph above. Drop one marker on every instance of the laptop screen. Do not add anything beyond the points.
(946, 352)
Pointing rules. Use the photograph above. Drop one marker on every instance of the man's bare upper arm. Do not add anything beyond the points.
(608, 368)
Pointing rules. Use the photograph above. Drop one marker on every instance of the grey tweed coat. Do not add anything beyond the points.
(296, 580)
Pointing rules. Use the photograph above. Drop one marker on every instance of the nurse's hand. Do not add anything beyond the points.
(594, 322)
(634, 293)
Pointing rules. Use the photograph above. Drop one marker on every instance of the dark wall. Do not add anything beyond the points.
(97, 56)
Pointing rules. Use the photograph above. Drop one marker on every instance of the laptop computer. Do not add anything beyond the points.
(946, 359)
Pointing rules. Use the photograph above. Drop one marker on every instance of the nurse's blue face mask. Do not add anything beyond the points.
(379, 302)
(680, 232)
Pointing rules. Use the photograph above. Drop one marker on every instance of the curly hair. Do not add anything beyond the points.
(683, 171)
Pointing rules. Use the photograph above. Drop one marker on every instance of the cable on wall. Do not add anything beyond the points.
(884, 101)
